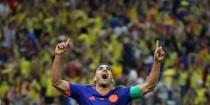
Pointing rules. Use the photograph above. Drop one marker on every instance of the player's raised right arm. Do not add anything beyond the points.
(57, 81)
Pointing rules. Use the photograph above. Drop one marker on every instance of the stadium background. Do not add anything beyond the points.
(119, 32)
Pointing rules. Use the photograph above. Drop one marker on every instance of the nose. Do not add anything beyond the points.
(104, 70)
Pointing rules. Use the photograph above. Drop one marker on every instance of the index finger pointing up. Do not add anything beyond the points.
(67, 42)
(157, 44)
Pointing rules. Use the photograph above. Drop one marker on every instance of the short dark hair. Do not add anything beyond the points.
(104, 64)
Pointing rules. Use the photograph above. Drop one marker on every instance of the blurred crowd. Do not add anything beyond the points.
(118, 32)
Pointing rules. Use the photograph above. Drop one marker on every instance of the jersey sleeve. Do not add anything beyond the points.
(123, 93)
(135, 92)
(74, 90)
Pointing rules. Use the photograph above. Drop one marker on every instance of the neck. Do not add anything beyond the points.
(103, 89)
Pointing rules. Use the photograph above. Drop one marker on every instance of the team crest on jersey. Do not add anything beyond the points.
(113, 98)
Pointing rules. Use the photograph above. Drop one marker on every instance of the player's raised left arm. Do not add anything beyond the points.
(149, 85)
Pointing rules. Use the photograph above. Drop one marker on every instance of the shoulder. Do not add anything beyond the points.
(80, 85)
(77, 90)
(122, 89)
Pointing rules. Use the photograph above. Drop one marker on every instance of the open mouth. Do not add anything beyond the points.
(104, 76)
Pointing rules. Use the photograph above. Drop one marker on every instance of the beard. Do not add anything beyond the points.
(104, 80)
(104, 85)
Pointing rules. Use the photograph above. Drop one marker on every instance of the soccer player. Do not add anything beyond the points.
(104, 92)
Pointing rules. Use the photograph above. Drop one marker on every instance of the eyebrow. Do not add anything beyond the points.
(104, 67)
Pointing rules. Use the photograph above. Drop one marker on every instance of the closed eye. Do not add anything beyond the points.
(108, 68)
(100, 68)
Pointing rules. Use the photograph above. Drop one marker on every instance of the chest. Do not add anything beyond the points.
(90, 98)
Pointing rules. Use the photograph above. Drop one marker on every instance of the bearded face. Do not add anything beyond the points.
(103, 76)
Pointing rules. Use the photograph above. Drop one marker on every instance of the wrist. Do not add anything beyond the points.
(58, 55)
(156, 61)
